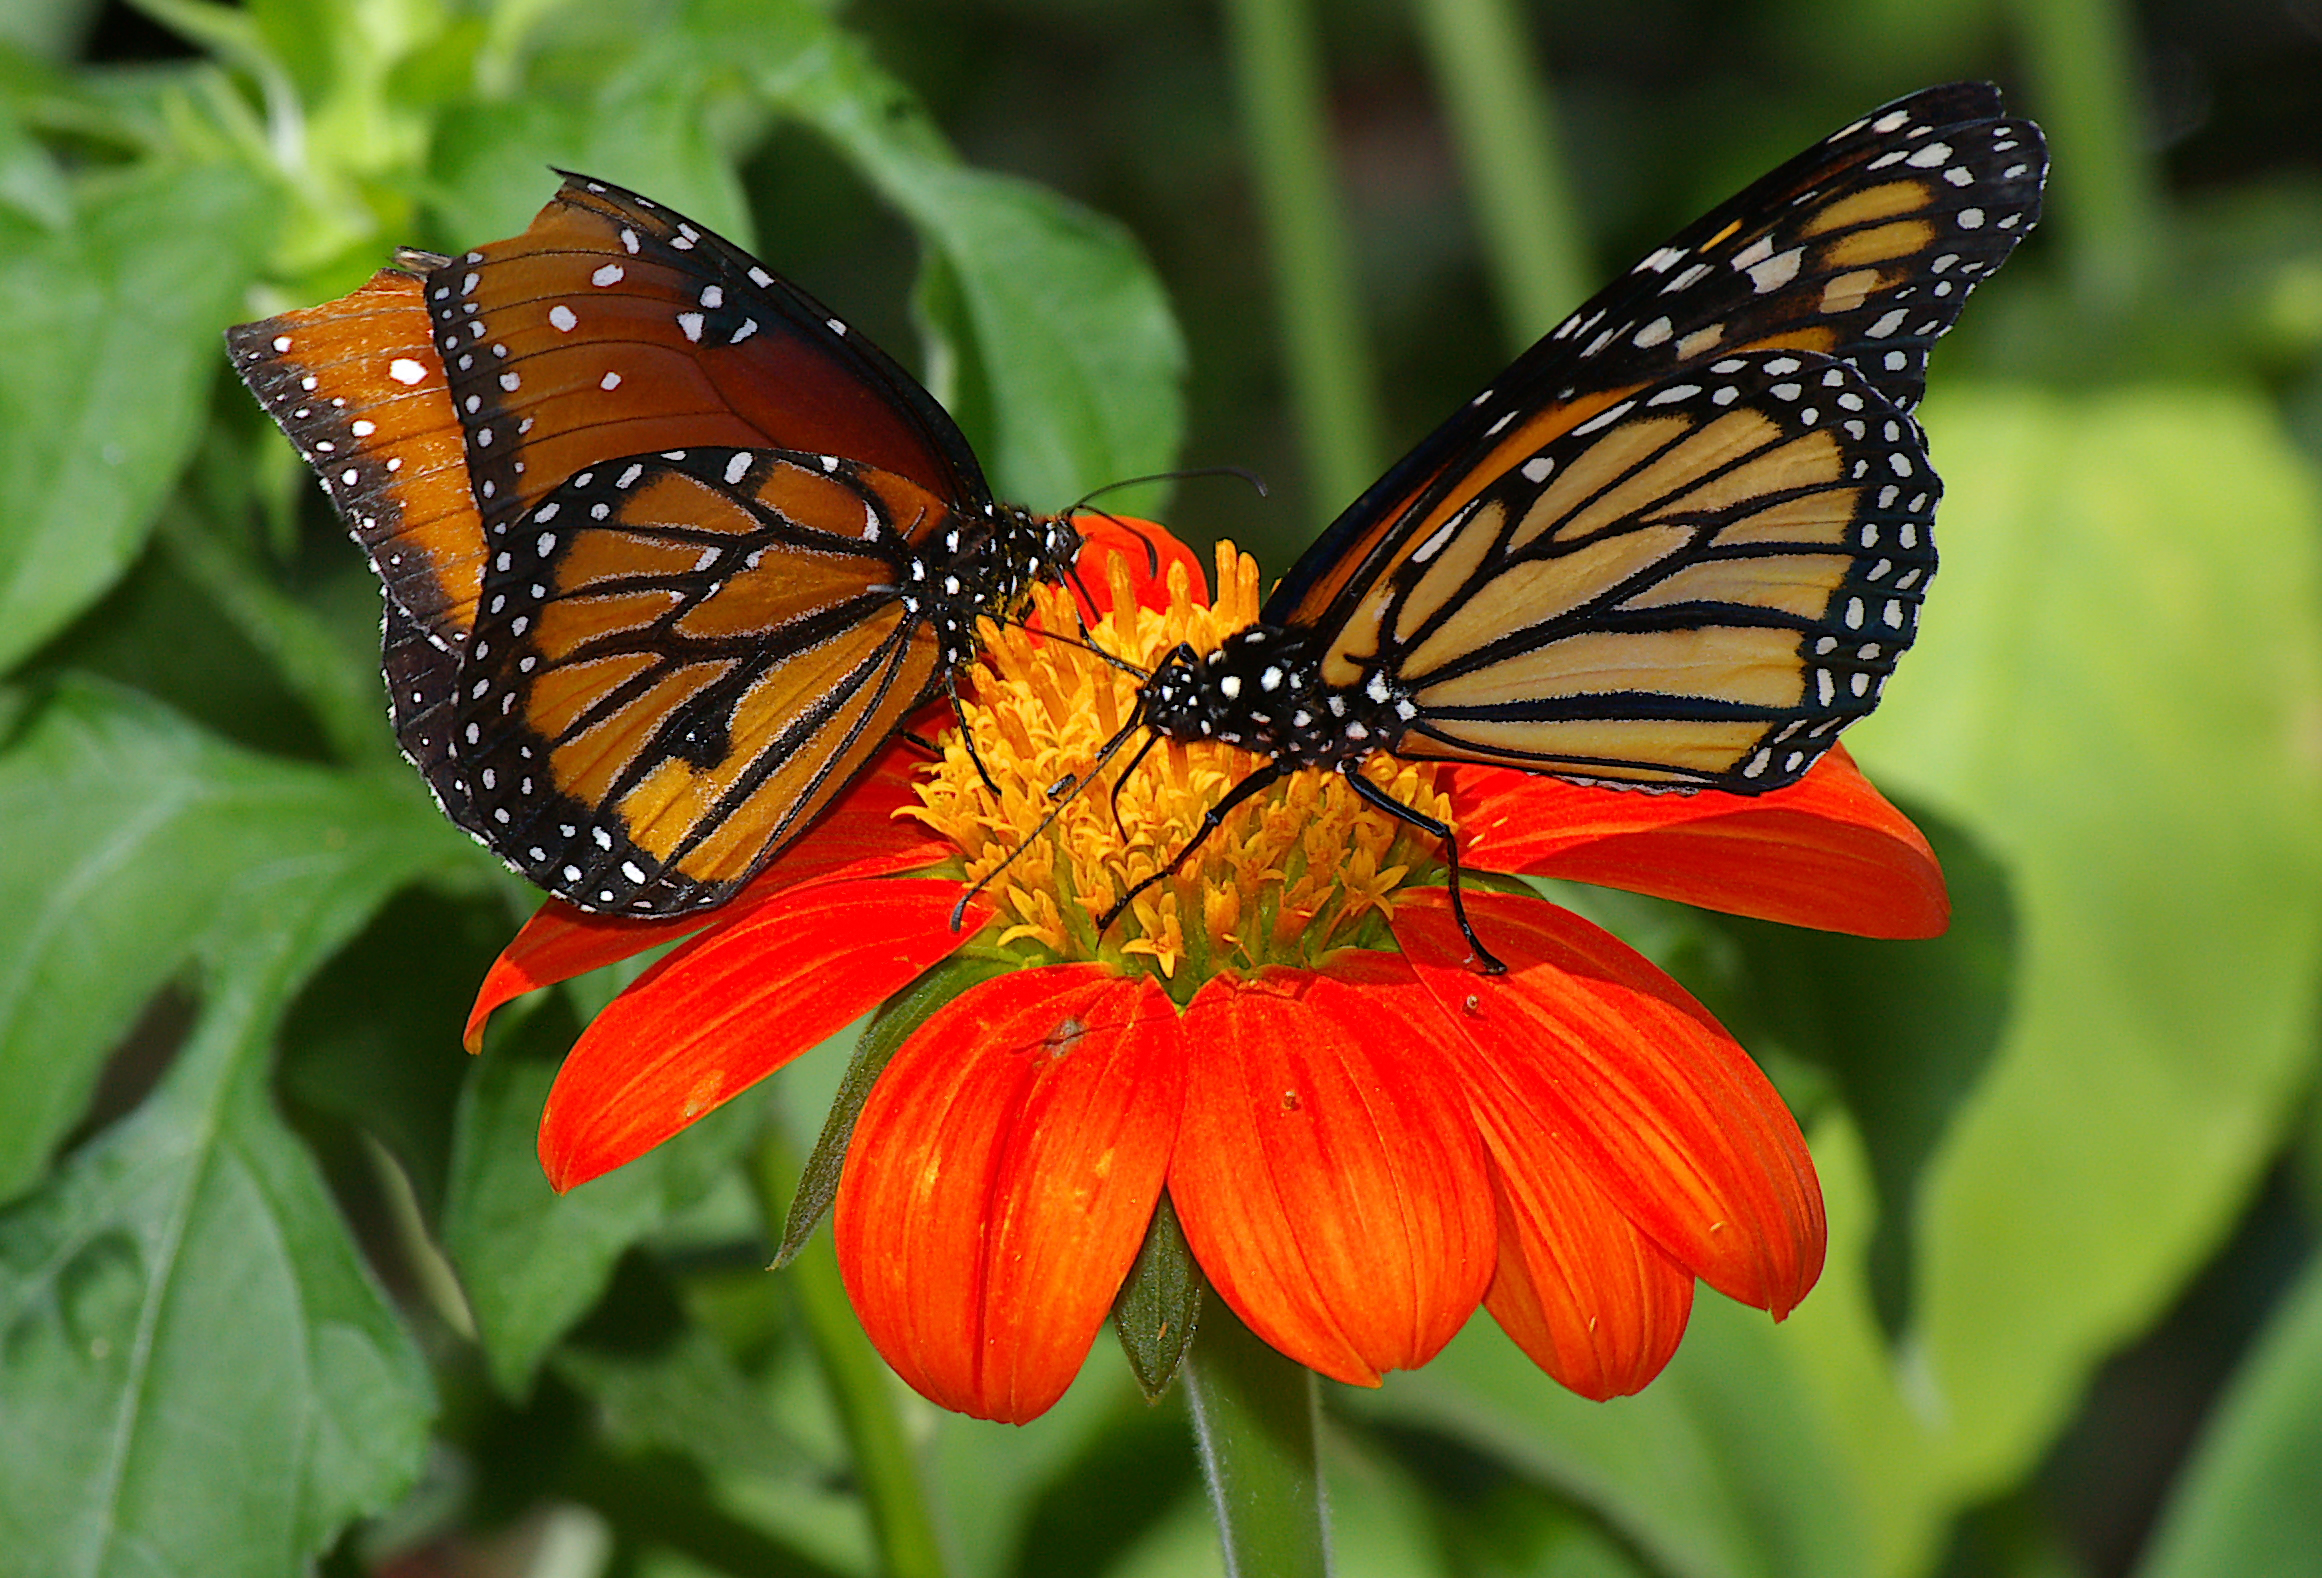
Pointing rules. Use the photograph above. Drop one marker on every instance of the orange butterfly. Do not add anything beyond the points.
(669, 552)
(1681, 542)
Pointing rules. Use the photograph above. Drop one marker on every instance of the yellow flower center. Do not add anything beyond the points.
(1296, 871)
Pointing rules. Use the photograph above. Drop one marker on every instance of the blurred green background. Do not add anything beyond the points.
(280, 1282)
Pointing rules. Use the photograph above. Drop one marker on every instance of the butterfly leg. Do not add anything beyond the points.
(1421, 820)
(967, 736)
(1211, 820)
(1136, 761)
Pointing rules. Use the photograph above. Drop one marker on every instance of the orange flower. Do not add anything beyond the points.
(1361, 1136)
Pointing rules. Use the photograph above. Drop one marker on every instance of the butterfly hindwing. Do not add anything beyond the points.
(1862, 248)
(680, 658)
(1700, 586)
(422, 705)
(613, 327)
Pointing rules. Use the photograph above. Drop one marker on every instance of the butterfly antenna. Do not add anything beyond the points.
(1128, 772)
(967, 738)
(1152, 555)
(1251, 477)
(1414, 817)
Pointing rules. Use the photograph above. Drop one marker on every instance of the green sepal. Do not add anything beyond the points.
(896, 1019)
(1160, 1303)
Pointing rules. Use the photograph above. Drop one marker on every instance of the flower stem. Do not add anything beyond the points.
(1254, 1420)
(894, 1491)
(1489, 79)
(2084, 59)
(1278, 69)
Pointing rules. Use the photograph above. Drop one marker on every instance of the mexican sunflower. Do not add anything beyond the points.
(1361, 1134)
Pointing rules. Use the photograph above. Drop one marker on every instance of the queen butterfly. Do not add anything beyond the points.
(669, 552)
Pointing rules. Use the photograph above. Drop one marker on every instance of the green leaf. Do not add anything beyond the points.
(533, 1261)
(112, 332)
(2246, 1503)
(691, 1399)
(135, 845)
(1159, 1305)
(2114, 694)
(202, 1378)
(53, 28)
(30, 180)
(1073, 333)
(646, 124)
(993, 1481)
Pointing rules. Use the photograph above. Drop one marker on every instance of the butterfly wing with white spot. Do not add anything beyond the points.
(613, 326)
(356, 386)
(1698, 587)
(681, 658)
(1862, 248)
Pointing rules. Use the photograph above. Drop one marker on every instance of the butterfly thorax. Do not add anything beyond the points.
(1262, 690)
(968, 572)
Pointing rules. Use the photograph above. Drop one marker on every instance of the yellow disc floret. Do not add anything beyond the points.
(1296, 871)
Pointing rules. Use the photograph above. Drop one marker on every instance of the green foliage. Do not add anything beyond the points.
(202, 1374)
(2261, 1459)
(111, 357)
(272, 1249)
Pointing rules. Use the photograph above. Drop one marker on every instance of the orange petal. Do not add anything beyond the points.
(1646, 1090)
(1596, 1303)
(1149, 549)
(733, 1005)
(860, 837)
(1328, 1174)
(1828, 852)
(1000, 1180)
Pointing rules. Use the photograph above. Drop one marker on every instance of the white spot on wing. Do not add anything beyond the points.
(1777, 271)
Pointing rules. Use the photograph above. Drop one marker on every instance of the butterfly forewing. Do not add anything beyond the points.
(681, 657)
(614, 327)
(356, 386)
(1862, 248)
(1698, 587)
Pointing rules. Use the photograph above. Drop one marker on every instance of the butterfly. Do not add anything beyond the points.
(669, 552)
(1681, 542)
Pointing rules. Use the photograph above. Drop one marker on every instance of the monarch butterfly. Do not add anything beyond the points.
(669, 553)
(1680, 543)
